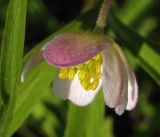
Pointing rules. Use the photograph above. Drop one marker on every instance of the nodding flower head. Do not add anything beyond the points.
(88, 61)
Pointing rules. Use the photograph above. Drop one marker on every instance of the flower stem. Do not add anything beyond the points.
(101, 20)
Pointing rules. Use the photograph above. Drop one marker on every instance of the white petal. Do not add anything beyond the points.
(132, 83)
(73, 91)
(115, 80)
(132, 92)
(61, 87)
(121, 108)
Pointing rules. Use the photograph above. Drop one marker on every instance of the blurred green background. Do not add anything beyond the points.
(52, 117)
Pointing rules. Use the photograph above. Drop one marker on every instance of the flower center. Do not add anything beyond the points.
(89, 73)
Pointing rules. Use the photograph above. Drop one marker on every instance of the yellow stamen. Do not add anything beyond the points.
(89, 73)
(63, 74)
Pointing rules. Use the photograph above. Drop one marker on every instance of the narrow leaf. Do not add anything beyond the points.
(137, 7)
(31, 91)
(11, 60)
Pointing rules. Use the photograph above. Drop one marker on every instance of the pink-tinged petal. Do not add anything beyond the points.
(73, 91)
(132, 91)
(132, 82)
(35, 60)
(115, 80)
(73, 48)
(121, 108)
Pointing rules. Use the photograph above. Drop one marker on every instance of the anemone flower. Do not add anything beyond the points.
(88, 61)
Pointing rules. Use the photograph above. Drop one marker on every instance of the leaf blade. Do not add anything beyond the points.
(11, 60)
(34, 87)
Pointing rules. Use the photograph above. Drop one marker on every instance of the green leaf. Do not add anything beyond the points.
(31, 91)
(108, 127)
(146, 53)
(86, 121)
(132, 10)
(11, 60)
(45, 116)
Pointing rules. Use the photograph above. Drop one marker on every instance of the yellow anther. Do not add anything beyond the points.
(89, 73)
(71, 74)
(98, 68)
(82, 74)
(85, 85)
(95, 84)
(91, 65)
(63, 73)
(81, 66)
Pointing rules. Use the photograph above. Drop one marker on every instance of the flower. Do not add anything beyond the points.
(88, 61)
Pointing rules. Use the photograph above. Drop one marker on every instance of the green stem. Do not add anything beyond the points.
(102, 17)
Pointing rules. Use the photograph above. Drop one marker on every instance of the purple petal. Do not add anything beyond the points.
(73, 48)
